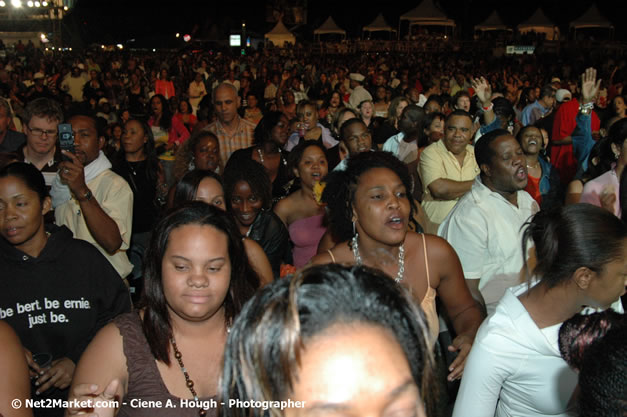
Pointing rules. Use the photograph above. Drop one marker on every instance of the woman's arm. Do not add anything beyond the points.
(482, 382)
(14, 384)
(455, 295)
(259, 261)
(282, 209)
(103, 362)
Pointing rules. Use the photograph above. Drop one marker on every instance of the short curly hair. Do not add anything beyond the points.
(185, 153)
(339, 193)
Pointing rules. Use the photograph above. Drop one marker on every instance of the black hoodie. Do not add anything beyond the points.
(58, 301)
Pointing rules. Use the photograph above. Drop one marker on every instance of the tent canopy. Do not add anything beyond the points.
(279, 35)
(538, 23)
(427, 14)
(538, 20)
(493, 22)
(378, 24)
(592, 18)
(329, 26)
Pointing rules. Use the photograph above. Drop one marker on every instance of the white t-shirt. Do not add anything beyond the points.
(405, 151)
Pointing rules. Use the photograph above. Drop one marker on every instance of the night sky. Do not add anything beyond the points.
(113, 21)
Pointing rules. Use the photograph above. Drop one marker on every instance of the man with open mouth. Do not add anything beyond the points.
(484, 228)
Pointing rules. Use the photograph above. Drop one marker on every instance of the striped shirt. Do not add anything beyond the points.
(242, 138)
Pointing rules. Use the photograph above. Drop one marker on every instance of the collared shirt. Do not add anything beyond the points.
(405, 151)
(116, 199)
(49, 170)
(533, 112)
(485, 231)
(437, 162)
(242, 138)
(515, 368)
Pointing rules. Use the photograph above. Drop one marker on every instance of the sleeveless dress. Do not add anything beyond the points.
(428, 302)
(144, 380)
(305, 235)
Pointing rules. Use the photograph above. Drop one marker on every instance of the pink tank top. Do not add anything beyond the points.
(305, 235)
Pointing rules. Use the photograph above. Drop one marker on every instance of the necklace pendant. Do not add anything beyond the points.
(400, 275)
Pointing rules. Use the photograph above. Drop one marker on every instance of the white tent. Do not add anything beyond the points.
(329, 27)
(279, 35)
(378, 24)
(493, 22)
(538, 23)
(592, 18)
(426, 14)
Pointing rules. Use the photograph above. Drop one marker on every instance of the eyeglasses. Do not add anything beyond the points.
(37, 132)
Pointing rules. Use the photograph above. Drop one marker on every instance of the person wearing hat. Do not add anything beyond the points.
(359, 93)
(566, 128)
(563, 95)
(104, 111)
(556, 83)
(39, 88)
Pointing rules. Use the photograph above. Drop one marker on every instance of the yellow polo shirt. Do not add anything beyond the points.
(436, 162)
(116, 199)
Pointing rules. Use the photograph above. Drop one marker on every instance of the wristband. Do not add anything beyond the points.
(488, 108)
(586, 109)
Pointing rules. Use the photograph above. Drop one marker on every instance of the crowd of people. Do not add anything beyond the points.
(354, 233)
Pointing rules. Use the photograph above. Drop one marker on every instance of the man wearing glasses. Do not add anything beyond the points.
(42, 116)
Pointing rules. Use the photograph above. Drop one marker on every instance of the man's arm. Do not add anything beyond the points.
(432, 173)
(565, 141)
(102, 227)
(444, 189)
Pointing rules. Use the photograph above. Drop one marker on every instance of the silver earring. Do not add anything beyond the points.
(354, 232)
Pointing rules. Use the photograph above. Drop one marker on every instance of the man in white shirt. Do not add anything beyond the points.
(359, 93)
(404, 145)
(484, 227)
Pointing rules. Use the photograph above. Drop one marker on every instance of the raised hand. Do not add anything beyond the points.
(589, 85)
(482, 89)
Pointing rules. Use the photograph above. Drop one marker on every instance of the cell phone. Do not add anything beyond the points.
(66, 139)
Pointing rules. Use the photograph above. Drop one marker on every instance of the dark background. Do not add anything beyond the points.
(96, 21)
